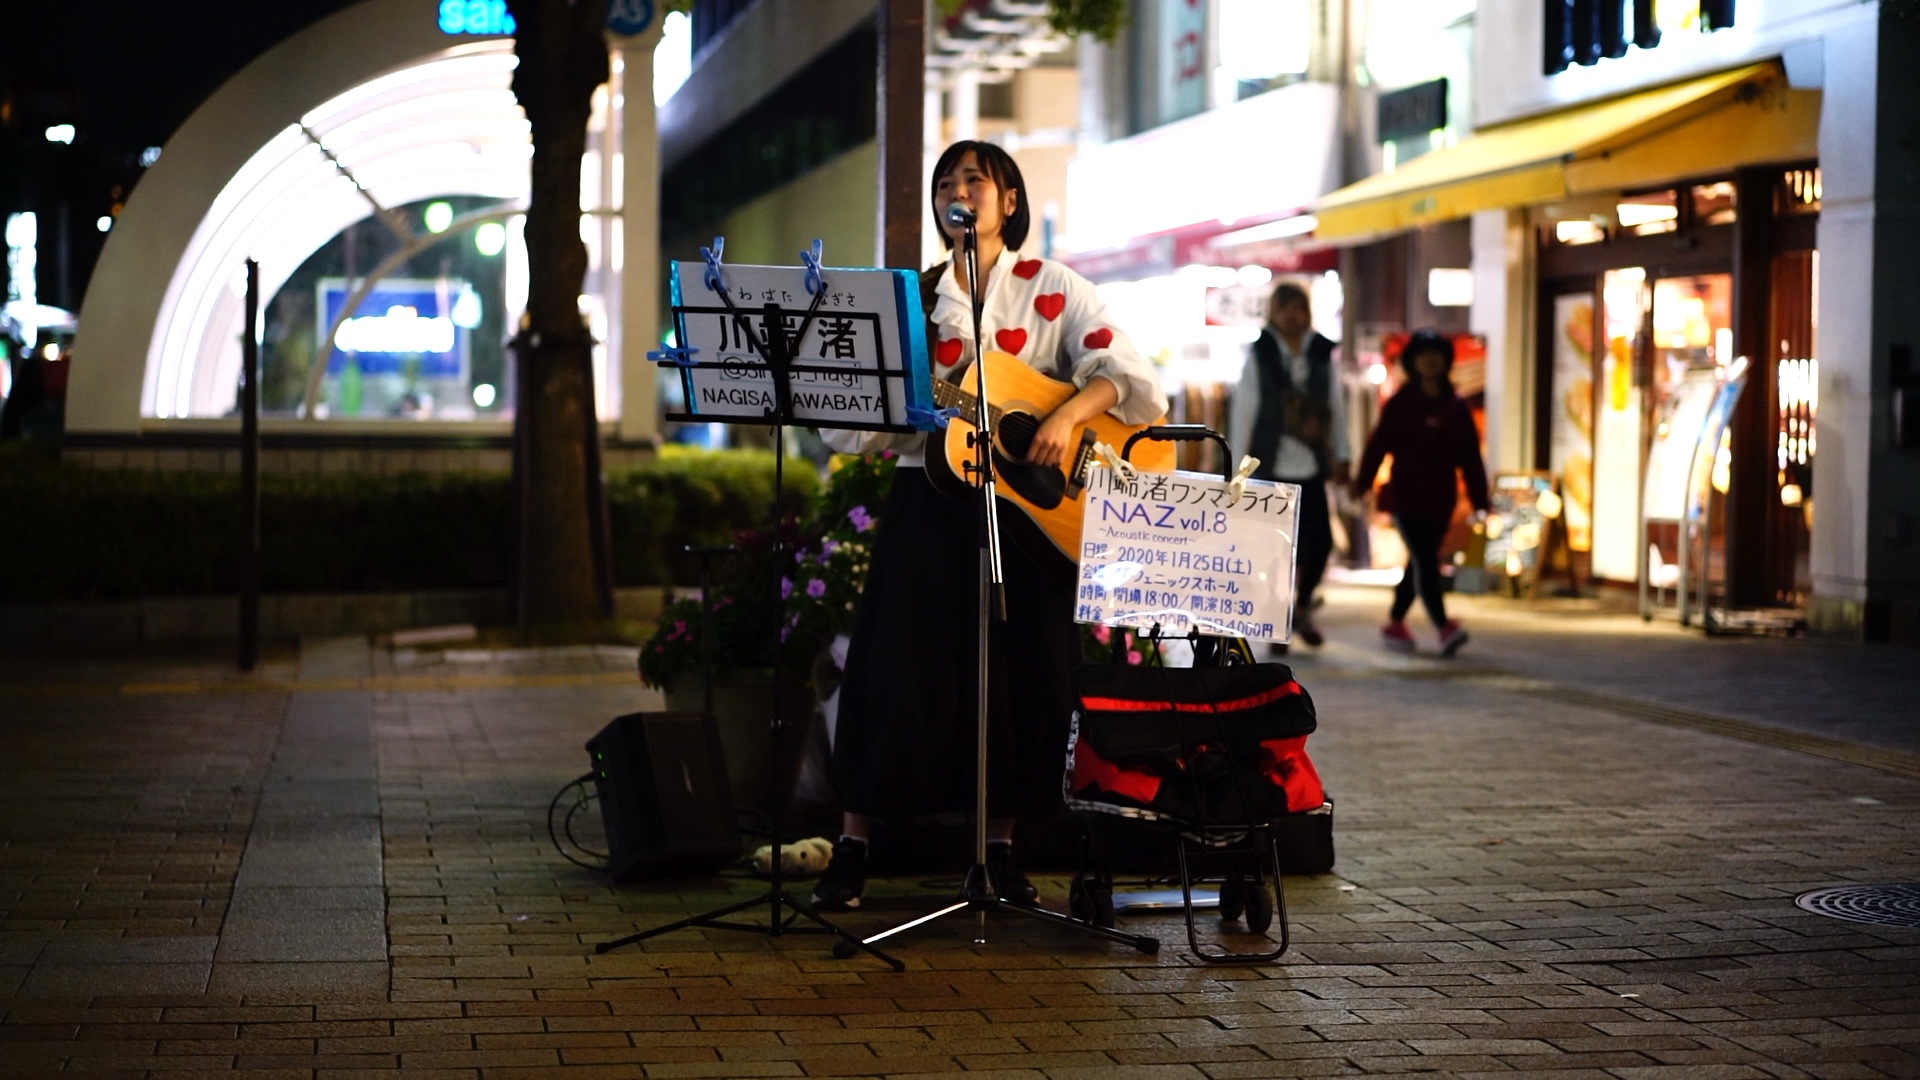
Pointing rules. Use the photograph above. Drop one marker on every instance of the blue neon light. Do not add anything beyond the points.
(475, 17)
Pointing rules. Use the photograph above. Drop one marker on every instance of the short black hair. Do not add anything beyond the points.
(1000, 166)
(1288, 292)
(1425, 340)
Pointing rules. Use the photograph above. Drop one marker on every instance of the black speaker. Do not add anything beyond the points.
(664, 797)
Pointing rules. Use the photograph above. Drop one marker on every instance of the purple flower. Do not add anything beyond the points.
(862, 521)
(816, 588)
(786, 588)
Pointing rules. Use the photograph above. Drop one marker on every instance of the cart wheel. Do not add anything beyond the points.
(1233, 898)
(1259, 907)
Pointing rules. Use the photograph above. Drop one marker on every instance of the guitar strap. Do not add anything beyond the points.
(929, 298)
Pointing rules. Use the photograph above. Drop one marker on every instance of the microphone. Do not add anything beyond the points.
(960, 215)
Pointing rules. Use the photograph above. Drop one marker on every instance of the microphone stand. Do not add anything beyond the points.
(976, 890)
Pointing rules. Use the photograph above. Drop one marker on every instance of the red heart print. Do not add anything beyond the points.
(1026, 268)
(1050, 305)
(1098, 339)
(947, 350)
(1011, 340)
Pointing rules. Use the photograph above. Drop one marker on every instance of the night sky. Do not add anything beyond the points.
(125, 73)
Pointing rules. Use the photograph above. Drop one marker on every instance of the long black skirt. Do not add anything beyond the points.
(904, 743)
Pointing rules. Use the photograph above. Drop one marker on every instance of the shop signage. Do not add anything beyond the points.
(475, 17)
(1413, 111)
(1584, 32)
(1237, 305)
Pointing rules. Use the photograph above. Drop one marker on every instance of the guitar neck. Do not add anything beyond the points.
(949, 396)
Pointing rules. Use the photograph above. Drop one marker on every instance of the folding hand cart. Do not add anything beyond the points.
(1213, 755)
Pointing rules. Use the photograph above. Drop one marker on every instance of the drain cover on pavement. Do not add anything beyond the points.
(1882, 905)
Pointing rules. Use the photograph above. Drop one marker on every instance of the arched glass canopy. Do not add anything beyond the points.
(444, 125)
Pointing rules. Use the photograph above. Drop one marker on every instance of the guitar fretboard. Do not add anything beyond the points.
(948, 396)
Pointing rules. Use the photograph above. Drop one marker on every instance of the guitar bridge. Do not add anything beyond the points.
(1082, 457)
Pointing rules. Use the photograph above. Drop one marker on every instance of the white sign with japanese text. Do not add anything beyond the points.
(859, 363)
(1177, 550)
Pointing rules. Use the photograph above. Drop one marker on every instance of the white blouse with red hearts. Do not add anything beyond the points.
(1046, 315)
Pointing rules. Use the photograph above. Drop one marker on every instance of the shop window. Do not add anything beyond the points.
(1618, 415)
(1582, 231)
(424, 344)
(1714, 204)
(1798, 192)
(1650, 213)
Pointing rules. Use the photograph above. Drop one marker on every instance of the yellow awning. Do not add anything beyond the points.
(1747, 116)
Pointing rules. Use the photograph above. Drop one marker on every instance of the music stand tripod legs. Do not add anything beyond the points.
(976, 891)
(775, 347)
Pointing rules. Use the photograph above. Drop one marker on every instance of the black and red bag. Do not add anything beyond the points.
(1200, 746)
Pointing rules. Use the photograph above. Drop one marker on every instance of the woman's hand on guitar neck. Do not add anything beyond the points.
(1056, 434)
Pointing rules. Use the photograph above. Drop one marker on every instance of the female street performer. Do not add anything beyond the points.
(904, 739)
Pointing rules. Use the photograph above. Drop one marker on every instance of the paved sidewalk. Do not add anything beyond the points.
(341, 869)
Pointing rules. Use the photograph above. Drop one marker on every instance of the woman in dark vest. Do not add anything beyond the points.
(1290, 411)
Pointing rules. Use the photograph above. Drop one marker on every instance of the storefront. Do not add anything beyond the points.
(1664, 242)
(1187, 227)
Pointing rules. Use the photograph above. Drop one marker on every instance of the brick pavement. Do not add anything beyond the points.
(1525, 887)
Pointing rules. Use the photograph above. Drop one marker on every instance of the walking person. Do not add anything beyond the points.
(904, 741)
(1290, 411)
(1429, 433)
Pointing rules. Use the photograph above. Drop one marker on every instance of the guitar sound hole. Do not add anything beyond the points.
(1017, 430)
(1042, 485)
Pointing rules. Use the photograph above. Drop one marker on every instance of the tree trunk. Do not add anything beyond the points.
(563, 573)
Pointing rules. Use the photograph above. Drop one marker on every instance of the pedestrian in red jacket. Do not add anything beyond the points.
(1429, 432)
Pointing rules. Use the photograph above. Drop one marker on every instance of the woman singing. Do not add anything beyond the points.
(904, 740)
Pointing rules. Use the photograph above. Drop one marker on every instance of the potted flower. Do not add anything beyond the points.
(801, 597)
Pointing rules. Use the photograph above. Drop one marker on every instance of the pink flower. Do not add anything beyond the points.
(1102, 635)
(1133, 657)
(886, 455)
(816, 588)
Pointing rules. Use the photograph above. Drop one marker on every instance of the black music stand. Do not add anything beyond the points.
(976, 889)
(775, 344)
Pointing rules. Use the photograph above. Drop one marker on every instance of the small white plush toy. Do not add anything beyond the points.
(802, 858)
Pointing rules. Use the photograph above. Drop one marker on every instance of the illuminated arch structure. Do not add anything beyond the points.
(409, 111)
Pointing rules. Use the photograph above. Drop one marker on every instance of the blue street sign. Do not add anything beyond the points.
(629, 17)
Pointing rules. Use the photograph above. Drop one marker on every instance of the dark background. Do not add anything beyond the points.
(126, 74)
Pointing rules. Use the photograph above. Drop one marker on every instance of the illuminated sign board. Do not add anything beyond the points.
(475, 17)
(411, 327)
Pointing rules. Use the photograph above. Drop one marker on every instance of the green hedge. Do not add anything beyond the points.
(74, 533)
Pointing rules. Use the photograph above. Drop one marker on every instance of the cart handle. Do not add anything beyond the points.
(1182, 433)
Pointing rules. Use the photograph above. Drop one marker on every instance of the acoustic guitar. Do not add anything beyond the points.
(1050, 496)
